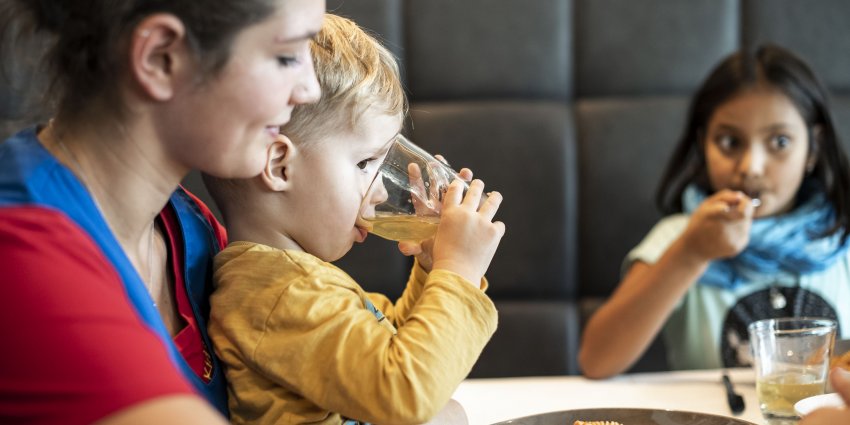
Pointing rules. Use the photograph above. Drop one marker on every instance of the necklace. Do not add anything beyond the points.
(79, 174)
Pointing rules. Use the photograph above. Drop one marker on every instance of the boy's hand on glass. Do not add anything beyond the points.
(422, 249)
(720, 226)
(467, 238)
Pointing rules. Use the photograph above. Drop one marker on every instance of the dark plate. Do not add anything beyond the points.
(626, 417)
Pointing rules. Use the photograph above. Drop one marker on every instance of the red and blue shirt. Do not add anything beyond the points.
(80, 336)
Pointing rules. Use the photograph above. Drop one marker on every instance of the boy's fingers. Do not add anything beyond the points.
(500, 227)
(473, 195)
(442, 159)
(491, 205)
(454, 194)
(409, 248)
(415, 174)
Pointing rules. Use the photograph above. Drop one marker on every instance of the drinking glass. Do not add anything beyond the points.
(405, 198)
(791, 357)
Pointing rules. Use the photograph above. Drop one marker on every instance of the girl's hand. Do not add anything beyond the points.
(422, 249)
(720, 226)
(467, 238)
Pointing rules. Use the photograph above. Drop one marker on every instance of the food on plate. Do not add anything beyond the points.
(596, 423)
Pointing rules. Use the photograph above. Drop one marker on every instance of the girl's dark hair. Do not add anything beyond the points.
(782, 70)
(84, 39)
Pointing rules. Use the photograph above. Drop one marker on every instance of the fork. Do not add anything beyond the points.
(736, 402)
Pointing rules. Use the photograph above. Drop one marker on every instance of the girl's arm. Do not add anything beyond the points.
(620, 331)
(623, 327)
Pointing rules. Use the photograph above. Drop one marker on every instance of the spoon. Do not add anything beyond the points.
(756, 202)
(736, 402)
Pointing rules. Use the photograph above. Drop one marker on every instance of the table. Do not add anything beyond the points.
(491, 400)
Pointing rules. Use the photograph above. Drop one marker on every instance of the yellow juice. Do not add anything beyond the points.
(404, 227)
(777, 394)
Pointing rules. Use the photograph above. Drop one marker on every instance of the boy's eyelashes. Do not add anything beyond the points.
(364, 163)
(287, 60)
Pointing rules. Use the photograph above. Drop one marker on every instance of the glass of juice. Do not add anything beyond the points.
(405, 198)
(791, 357)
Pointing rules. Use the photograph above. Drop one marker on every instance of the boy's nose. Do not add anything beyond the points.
(379, 191)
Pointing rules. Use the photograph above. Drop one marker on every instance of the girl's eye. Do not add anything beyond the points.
(287, 60)
(781, 142)
(726, 142)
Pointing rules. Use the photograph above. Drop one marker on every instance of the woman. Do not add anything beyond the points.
(107, 259)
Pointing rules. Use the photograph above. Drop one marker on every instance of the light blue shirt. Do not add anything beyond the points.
(707, 328)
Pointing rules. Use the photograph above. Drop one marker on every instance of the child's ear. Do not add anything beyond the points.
(159, 55)
(279, 157)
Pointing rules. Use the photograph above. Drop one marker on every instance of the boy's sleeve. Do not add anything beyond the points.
(399, 311)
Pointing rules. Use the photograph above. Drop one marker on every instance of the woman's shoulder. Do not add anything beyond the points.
(39, 241)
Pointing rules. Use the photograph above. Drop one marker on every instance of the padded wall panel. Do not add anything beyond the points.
(377, 266)
(624, 146)
(476, 49)
(23, 83)
(817, 30)
(526, 151)
(841, 116)
(382, 18)
(533, 339)
(652, 47)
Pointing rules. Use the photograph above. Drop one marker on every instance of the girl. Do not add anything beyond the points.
(106, 260)
(757, 192)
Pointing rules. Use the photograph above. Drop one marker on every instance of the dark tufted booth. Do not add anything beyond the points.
(570, 109)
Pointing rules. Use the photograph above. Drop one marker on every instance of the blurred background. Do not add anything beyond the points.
(570, 109)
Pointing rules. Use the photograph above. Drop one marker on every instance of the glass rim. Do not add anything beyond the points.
(809, 325)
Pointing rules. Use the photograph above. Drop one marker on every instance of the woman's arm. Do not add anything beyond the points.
(176, 410)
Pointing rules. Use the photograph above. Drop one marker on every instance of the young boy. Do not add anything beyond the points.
(302, 341)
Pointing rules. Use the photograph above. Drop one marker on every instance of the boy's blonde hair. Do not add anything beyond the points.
(355, 72)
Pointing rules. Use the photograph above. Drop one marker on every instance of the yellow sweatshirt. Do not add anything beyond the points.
(300, 345)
